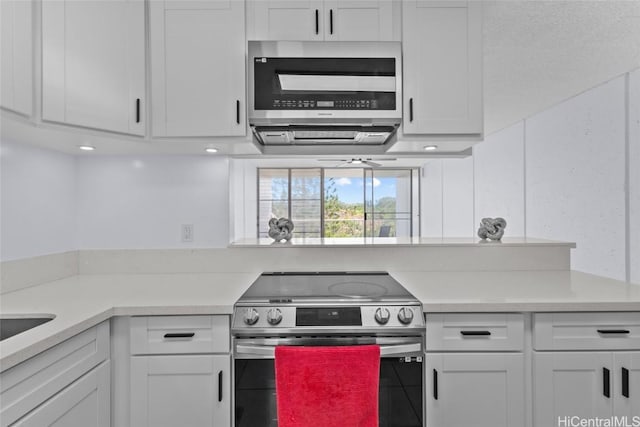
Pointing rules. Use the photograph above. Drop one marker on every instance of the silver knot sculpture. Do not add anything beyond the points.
(492, 228)
(280, 229)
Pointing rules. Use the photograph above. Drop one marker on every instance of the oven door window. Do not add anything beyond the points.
(400, 403)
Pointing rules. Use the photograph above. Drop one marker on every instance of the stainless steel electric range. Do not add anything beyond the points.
(322, 309)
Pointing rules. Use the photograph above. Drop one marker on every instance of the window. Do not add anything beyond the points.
(340, 202)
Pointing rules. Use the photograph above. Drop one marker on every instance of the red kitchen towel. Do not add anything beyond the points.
(327, 386)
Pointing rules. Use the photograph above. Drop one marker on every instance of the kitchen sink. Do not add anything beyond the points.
(10, 326)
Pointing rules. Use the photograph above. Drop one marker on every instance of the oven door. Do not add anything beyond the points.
(401, 378)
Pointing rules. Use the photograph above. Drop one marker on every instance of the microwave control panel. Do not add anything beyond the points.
(351, 104)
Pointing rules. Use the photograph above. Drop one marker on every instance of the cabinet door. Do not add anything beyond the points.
(359, 20)
(442, 67)
(85, 403)
(626, 384)
(169, 391)
(198, 67)
(93, 64)
(286, 20)
(17, 50)
(475, 389)
(571, 384)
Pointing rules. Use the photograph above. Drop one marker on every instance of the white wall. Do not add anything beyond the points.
(38, 202)
(499, 179)
(458, 193)
(559, 175)
(575, 176)
(133, 202)
(633, 138)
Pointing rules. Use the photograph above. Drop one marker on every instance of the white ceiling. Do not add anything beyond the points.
(539, 53)
(536, 54)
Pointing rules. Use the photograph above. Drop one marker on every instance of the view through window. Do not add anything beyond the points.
(339, 202)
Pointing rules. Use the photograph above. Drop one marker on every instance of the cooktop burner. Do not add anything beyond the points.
(327, 286)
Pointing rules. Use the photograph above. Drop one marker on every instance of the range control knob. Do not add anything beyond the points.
(274, 316)
(251, 316)
(382, 316)
(405, 315)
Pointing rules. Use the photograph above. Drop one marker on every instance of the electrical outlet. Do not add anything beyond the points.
(187, 232)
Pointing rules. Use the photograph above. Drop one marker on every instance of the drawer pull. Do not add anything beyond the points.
(180, 335)
(475, 333)
(220, 386)
(606, 383)
(613, 331)
(435, 384)
(625, 382)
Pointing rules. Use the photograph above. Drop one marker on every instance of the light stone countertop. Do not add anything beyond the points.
(356, 242)
(80, 302)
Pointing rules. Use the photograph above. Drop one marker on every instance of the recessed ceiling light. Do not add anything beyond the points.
(430, 147)
(86, 147)
(211, 150)
(356, 161)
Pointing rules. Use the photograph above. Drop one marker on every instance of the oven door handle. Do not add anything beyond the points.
(258, 350)
(400, 349)
(385, 350)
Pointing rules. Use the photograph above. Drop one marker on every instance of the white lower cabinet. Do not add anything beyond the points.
(627, 368)
(470, 383)
(586, 385)
(66, 385)
(179, 372)
(475, 389)
(586, 367)
(570, 384)
(169, 391)
(84, 403)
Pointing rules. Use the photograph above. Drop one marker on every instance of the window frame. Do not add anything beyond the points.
(414, 175)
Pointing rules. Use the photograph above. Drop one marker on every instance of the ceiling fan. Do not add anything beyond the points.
(357, 161)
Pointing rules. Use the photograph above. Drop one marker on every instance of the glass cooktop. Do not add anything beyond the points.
(326, 286)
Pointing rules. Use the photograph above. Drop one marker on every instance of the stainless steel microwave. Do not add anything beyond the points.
(332, 93)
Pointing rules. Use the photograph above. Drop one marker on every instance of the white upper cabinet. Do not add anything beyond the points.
(361, 20)
(93, 64)
(442, 67)
(330, 20)
(16, 93)
(285, 20)
(198, 68)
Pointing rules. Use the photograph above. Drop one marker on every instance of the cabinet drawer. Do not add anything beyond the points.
(179, 334)
(27, 385)
(475, 332)
(586, 331)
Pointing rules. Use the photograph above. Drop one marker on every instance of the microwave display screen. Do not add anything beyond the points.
(324, 83)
